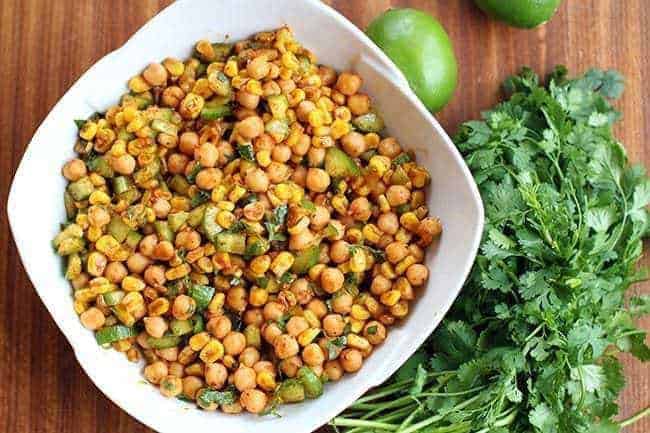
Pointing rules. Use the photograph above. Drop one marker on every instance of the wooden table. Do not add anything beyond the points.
(47, 45)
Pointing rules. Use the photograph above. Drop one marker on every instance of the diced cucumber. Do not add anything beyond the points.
(291, 391)
(227, 242)
(164, 126)
(118, 228)
(121, 184)
(133, 239)
(196, 216)
(222, 51)
(312, 384)
(201, 294)
(177, 219)
(181, 327)
(163, 231)
(113, 298)
(70, 208)
(306, 259)
(100, 165)
(369, 122)
(216, 112)
(339, 163)
(278, 104)
(278, 129)
(199, 325)
(114, 333)
(256, 246)
(179, 184)
(210, 226)
(164, 342)
(81, 189)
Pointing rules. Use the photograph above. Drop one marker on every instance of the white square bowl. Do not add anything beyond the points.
(35, 205)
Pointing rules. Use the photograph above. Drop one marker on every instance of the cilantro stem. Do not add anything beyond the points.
(346, 422)
(636, 417)
(397, 386)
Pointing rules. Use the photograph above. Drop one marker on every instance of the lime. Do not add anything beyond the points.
(520, 13)
(421, 49)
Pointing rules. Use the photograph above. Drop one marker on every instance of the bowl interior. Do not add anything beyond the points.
(336, 42)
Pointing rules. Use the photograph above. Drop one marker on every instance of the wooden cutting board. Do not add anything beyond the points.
(46, 45)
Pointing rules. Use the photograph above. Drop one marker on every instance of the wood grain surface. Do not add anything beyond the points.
(46, 45)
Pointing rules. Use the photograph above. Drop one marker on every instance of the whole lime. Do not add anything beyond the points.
(520, 13)
(421, 49)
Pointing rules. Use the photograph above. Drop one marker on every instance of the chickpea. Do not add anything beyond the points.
(360, 209)
(333, 325)
(171, 386)
(188, 143)
(115, 272)
(216, 375)
(296, 325)
(176, 369)
(169, 354)
(154, 275)
(249, 356)
(258, 68)
(389, 147)
(416, 251)
(253, 400)
(155, 326)
(164, 251)
(339, 230)
(248, 100)
(74, 170)
(299, 176)
(183, 307)
(81, 281)
(342, 303)
(177, 162)
(320, 217)
(235, 407)
(285, 346)
(188, 239)
(327, 75)
(253, 316)
(254, 211)
(161, 208)
(333, 370)
(92, 318)
(273, 310)
(351, 360)
(303, 110)
(271, 331)
(277, 172)
(340, 251)
(250, 127)
(98, 216)
(234, 343)
(302, 146)
(191, 384)
(207, 154)
(417, 274)
(124, 164)
(396, 251)
(380, 285)
(313, 355)
(155, 74)
(172, 96)
(209, 178)
(315, 157)
(244, 378)
(303, 292)
(137, 263)
(317, 180)
(257, 180)
(237, 299)
(331, 279)
(318, 307)
(281, 153)
(155, 372)
(348, 83)
(287, 86)
(264, 366)
(301, 241)
(398, 195)
(219, 326)
(354, 144)
(100, 261)
(388, 223)
(374, 332)
(359, 104)
(291, 365)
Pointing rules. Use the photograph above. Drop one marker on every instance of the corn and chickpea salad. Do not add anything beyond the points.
(239, 222)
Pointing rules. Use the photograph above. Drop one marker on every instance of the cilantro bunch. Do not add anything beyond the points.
(530, 345)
